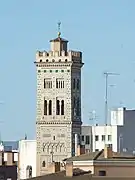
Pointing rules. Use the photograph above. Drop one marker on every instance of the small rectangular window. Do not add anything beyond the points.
(62, 70)
(103, 137)
(96, 138)
(68, 70)
(56, 70)
(87, 140)
(82, 138)
(44, 71)
(50, 71)
(109, 137)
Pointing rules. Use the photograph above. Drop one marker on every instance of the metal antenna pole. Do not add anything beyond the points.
(107, 74)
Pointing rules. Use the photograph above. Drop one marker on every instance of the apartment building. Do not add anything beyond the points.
(119, 133)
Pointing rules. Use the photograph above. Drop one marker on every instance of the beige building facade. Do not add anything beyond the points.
(58, 103)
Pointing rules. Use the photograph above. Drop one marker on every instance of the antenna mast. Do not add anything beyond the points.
(107, 74)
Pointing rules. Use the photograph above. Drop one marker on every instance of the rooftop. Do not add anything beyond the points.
(87, 176)
(99, 155)
(58, 39)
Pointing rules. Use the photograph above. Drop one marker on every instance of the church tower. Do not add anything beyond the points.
(58, 102)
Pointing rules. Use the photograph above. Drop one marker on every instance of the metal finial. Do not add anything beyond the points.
(59, 33)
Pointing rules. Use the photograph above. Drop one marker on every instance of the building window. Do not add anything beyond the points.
(50, 71)
(47, 83)
(87, 140)
(82, 138)
(103, 137)
(96, 138)
(56, 71)
(78, 107)
(57, 107)
(29, 171)
(43, 164)
(73, 83)
(62, 107)
(109, 137)
(102, 173)
(45, 107)
(68, 70)
(96, 149)
(62, 70)
(50, 107)
(54, 138)
(78, 84)
(44, 71)
(39, 71)
(60, 83)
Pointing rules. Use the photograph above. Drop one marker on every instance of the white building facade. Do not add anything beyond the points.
(58, 103)
(120, 134)
(27, 159)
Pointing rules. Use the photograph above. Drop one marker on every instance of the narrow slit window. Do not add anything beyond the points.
(62, 107)
(50, 107)
(45, 107)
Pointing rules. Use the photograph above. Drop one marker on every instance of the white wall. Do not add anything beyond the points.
(27, 156)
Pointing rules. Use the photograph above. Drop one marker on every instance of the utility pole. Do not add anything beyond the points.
(93, 118)
(107, 74)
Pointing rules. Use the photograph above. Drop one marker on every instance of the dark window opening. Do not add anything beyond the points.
(96, 138)
(29, 171)
(103, 137)
(43, 164)
(78, 107)
(50, 107)
(102, 173)
(78, 84)
(87, 140)
(56, 84)
(62, 107)
(74, 84)
(82, 138)
(45, 107)
(57, 107)
(53, 137)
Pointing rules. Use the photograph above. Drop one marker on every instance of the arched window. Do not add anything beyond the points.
(45, 107)
(43, 164)
(50, 107)
(29, 171)
(78, 107)
(78, 84)
(73, 83)
(57, 107)
(62, 107)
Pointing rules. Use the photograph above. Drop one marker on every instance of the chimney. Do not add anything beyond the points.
(55, 167)
(80, 150)
(69, 169)
(108, 153)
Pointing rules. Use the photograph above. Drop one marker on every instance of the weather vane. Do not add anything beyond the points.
(59, 33)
